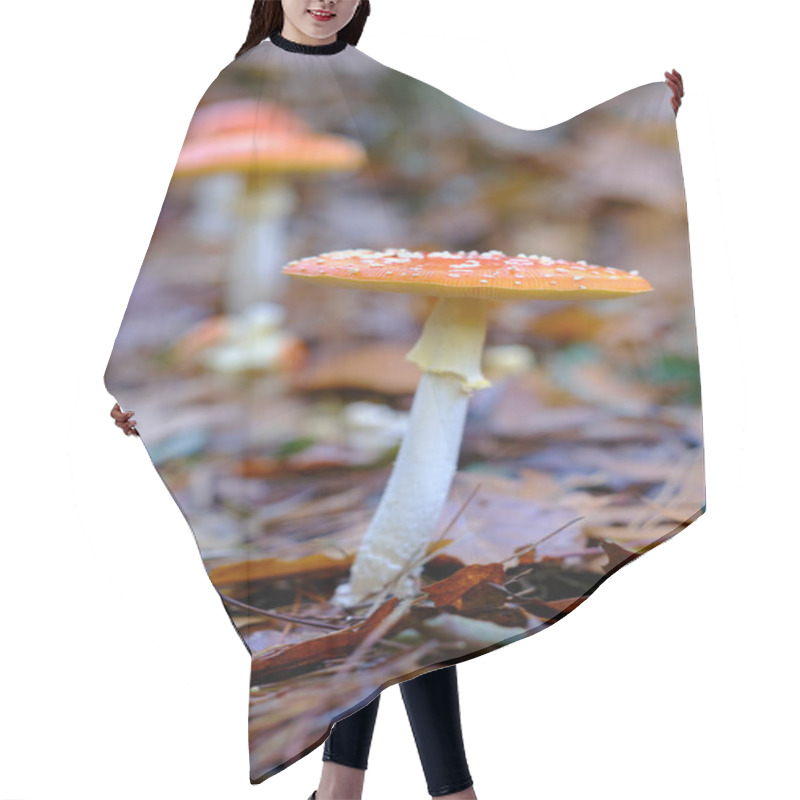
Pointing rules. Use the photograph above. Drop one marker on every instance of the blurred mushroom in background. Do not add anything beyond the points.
(265, 154)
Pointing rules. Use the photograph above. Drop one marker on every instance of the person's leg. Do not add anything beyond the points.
(351, 737)
(433, 710)
(346, 753)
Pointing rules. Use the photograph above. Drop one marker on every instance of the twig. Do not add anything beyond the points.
(533, 546)
(277, 615)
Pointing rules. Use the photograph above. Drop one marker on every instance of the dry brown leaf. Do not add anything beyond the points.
(617, 555)
(377, 367)
(596, 384)
(535, 484)
(571, 323)
(319, 457)
(294, 658)
(567, 604)
(317, 565)
(205, 334)
(467, 589)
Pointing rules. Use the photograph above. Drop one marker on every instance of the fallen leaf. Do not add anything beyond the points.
(617, 555)
(468, 588)
(294, 658)
(318, 565)
(380, 368)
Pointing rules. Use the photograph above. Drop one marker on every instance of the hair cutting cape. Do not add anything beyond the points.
(274, 407)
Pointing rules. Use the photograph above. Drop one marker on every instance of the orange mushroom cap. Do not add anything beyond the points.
(243, 116)
(257, 137)
(491, 275)
(264, 152)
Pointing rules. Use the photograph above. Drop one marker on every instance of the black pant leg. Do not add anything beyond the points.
(350, 738)
(433, 710)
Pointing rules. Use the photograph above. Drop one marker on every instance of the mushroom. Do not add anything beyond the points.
(243, 115)
(254, 342)
(214, 195)
(449, 354)
(264, 144)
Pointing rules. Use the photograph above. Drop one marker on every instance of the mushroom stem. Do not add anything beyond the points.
(449, 353)
(260, 246)
(214, 198)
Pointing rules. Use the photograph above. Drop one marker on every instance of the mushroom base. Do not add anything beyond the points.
(408, 513)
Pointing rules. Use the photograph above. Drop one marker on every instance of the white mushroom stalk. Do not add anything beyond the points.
(449, 354)
(260, 246)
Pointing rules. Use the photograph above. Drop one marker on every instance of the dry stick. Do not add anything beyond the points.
(351, 663)
(531, 568)
(587, 551)
(276, 615)
(375, 634)
(533, 546)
